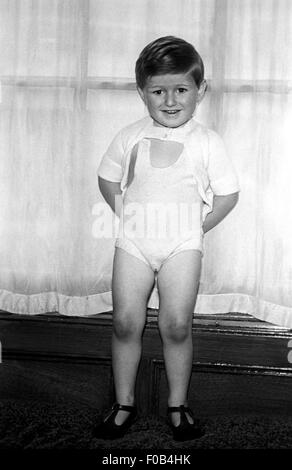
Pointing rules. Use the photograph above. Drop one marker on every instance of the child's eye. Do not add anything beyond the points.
(182, 90)
(157, 92)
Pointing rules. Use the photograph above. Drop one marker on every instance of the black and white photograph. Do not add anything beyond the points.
(145, 228)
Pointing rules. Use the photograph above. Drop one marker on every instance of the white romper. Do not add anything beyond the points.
(201, 171)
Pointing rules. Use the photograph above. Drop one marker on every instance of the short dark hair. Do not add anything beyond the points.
(168, 55)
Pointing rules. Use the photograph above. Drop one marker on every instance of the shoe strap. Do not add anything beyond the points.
(117, 407)
(182, 410)
(179, 409)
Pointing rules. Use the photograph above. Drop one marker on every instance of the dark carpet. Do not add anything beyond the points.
(35, 425)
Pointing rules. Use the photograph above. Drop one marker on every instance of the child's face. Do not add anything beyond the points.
(171, 99)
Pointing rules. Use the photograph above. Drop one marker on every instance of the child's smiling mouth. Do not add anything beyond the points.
(171, 111)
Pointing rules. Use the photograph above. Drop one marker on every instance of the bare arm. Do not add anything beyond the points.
(222, 205)
(112, 194)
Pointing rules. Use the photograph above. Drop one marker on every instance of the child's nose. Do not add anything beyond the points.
(170, 98)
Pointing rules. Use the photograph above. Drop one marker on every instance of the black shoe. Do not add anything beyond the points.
(108, 429)
(185, 431)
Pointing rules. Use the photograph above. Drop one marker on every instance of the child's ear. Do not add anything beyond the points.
(141, 93)
(201, 91)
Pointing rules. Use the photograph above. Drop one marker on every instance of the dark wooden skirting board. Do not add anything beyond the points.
(241, 365)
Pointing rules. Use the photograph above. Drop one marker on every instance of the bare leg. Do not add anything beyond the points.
(178, 282)
(131, 287)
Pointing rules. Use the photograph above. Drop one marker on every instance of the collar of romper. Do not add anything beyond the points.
(177, 134)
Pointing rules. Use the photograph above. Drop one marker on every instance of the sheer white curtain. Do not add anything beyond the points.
(67, 83)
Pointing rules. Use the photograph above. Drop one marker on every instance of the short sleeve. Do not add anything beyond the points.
(222, 176)
(110, 167)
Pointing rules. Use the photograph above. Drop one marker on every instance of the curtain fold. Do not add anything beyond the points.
(67, 87)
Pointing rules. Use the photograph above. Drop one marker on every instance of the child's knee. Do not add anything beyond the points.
(175, 330)
(125, 326)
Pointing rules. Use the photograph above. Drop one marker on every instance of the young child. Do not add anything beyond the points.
(167, 168)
